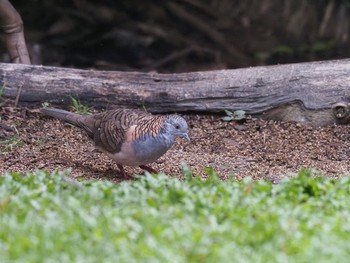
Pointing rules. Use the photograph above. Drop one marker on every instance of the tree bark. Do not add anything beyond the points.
(11, 26)
(316, 93)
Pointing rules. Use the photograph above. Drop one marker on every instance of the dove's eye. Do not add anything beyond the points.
(177, 127)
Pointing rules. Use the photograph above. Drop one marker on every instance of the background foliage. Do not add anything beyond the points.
(184, 35)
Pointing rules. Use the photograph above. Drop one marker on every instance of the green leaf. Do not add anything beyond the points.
(239, 115)
(227, 118)
(228, 113)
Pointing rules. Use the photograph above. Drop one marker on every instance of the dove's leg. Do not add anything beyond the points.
(123, 173)
(148, 169)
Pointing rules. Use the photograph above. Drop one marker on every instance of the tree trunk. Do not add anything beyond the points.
(316, 93)
(11, 26)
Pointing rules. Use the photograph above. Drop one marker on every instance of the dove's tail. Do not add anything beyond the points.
(63, 115)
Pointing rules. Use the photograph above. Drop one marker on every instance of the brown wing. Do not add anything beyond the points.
(109, 129)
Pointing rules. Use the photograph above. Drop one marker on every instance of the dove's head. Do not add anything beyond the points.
(177, 127)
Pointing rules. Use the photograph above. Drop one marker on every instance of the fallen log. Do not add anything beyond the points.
(316, 93)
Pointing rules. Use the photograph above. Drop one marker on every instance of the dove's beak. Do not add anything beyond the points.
(185, 135)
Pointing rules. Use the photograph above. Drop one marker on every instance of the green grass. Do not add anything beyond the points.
(157, 218)
(1, 94)
(78, 107)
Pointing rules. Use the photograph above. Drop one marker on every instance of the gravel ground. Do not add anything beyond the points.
(256, 148)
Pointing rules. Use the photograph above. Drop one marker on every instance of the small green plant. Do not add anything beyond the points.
(1, 93)
(9, 144)
(78, 107)
(238, 115)
(45, 104)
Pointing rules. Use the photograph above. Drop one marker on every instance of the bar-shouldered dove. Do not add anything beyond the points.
(129, 137)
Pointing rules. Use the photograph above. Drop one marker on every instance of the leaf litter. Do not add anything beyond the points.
(255, 148)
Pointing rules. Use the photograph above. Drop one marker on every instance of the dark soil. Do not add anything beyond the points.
(257, 148)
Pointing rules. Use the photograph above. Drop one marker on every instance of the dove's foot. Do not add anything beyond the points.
(123, 174)
(148, 169)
